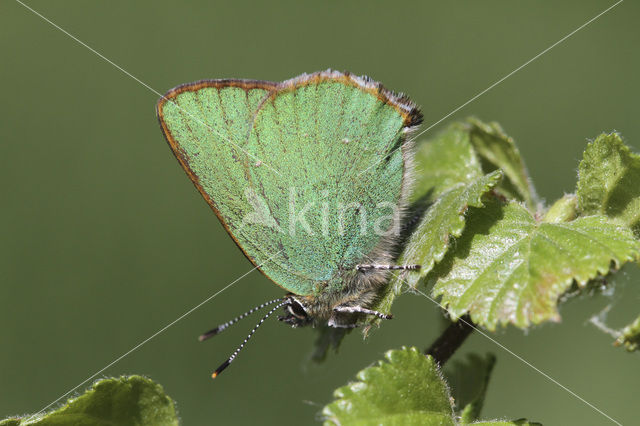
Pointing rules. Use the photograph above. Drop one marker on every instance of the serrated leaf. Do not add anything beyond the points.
(443, 162)
(497, 150)
(128, 400)
(406, 389)
(469, 380)
(430, 240)
(630, 336)
(509, 268)
(444, 219)
(609, 181)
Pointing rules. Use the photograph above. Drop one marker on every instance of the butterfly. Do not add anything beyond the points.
(309, 176)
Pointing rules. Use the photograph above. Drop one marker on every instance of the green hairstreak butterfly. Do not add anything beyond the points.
(308, 176)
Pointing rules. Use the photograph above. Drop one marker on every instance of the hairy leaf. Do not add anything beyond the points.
(128, 400)
(449, 179)
(430, 240)
(563, 210)
(509, 268)
(496, 150)
(609, 181)
(407, 389)
(444, 219)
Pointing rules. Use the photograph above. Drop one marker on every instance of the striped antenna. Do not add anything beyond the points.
(235, 354)
(221, 327)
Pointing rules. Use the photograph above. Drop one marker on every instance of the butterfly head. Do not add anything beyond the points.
(296, 312)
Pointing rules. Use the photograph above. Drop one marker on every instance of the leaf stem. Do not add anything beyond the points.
(450, 339)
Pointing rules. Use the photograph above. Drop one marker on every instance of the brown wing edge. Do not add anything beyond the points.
(182, 157)
(406, 108)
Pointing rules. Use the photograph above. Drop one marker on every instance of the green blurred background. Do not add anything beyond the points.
(104, 240)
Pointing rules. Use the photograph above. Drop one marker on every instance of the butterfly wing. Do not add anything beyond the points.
(290, 168)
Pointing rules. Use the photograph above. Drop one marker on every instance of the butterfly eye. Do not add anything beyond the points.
(296, 309)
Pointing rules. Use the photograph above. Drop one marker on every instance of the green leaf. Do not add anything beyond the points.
(449, 177)
(563, 210)
(443, 162)
(630, 336)
(496, 151)
(444, 219)
(430, 240)
(609, 181)
(509, 268)
(469, 381)
(407, 389)
(128, 400)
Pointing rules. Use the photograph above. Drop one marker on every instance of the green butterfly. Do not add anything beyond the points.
(309, 177)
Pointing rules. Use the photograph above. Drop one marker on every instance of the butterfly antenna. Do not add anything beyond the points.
(235, 353)
(221, 327)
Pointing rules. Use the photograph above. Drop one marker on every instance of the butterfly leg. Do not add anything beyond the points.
(368, 267)
(360, 310)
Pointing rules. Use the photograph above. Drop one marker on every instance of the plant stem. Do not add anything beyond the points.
(450, 340)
